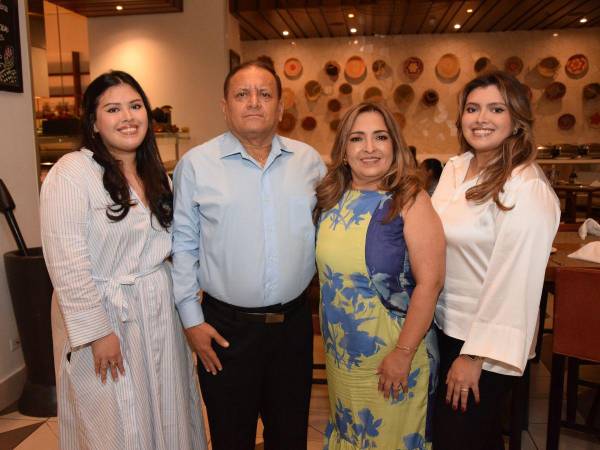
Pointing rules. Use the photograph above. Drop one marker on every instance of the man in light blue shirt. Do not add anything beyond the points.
(243, 234)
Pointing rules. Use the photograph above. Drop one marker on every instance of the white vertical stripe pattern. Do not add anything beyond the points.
(112, 277)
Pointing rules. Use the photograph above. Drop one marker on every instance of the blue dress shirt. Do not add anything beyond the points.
(241, 232)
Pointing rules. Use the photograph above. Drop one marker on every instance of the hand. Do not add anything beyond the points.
(200, 338)
(107, 354)
(393, 372)
(463, 375)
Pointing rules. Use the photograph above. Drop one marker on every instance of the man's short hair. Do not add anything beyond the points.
(435, 165)
(254, 63)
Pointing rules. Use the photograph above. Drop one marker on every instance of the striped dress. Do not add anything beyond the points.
(112, 277)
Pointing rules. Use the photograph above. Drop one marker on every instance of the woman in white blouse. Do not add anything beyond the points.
(500, 216)
(125, 377)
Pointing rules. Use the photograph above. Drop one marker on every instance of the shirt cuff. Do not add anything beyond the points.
(87, 326)
(190, 313)
(497, 342)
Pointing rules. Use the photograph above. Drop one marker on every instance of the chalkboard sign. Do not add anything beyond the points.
(11, 77)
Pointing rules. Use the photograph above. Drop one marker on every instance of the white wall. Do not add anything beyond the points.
(432, 129)
(18, 171)
(180, 59)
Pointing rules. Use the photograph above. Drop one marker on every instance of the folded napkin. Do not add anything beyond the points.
(589, 252)
(589, 226)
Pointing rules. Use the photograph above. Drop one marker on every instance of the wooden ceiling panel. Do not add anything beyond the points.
(485, 9)
(589, 10)
(437, 13)
(456, 10)
(417, 11)
(399, 16)
(304, 21)
(329, 18)
(561, 11)
(292, 24)
(318, 20)
(491, 17)
(519, 11)
(98, 8)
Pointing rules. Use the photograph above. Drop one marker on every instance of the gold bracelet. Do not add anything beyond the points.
(406, 348)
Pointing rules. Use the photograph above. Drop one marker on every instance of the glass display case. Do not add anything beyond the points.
(51, 148)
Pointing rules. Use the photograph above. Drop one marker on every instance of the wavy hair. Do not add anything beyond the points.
(147, 159)
(401, 179)
(518, 149)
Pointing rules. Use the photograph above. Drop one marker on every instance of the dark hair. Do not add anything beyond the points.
(147, 159)
(435, 165)
(516, 150)
(254, 63)
(401, 179)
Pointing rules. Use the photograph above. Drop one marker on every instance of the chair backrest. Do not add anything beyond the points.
(577, 313)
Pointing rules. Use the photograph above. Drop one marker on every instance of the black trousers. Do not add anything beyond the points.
(267, 371)
(480, 427)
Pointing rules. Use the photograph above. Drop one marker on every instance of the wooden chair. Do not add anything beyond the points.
(576, 335)
(549, 289)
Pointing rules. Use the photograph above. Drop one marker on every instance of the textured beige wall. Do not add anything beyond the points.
(18, 170)
(180, 59)
(432, 130)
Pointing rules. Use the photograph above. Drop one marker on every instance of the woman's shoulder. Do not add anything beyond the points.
(527, 174)
(76, 166)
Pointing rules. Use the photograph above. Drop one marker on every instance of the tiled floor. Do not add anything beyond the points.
(31, 433)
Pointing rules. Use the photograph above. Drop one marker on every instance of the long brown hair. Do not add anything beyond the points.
(401, 179)
(518, 149)
(147, 159)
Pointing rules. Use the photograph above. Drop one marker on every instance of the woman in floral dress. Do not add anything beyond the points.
(380, 256)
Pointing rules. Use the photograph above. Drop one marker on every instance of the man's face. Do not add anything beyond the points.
(252, 108)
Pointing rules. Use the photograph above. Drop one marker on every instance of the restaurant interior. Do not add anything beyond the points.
(413, 55)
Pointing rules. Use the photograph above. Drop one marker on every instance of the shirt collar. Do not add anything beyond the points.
(460, 164)
(232, 146)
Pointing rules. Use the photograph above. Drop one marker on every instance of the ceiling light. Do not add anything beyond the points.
(285, 32)
(457, 26)
(469, 11)
(353, 30)
(554, 34)
(119, 8)
(350, 15)
(583, 20)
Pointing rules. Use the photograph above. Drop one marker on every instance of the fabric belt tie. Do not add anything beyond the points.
(114, 292)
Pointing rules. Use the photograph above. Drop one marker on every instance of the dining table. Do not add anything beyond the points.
(565, 243)
(570, 191)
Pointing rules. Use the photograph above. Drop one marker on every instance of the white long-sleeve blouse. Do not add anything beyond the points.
(495, 263)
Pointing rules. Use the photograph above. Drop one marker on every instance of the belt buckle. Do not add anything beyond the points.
(274, 317)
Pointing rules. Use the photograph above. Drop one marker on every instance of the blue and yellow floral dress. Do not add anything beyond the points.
(366, 285)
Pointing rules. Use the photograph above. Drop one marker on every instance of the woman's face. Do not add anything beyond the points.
(369, 151)
(121, 119)
(486, 121)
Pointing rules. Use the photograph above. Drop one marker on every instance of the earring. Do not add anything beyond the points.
(345, 161)
(515, 131)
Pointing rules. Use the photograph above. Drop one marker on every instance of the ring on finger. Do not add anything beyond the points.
(464, 389)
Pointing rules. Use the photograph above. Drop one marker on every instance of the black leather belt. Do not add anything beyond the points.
(269, 314)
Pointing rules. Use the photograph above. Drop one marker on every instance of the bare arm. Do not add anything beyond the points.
(424, 238)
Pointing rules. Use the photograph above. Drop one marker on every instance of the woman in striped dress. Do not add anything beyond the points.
(124, 371)
(380, 256)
